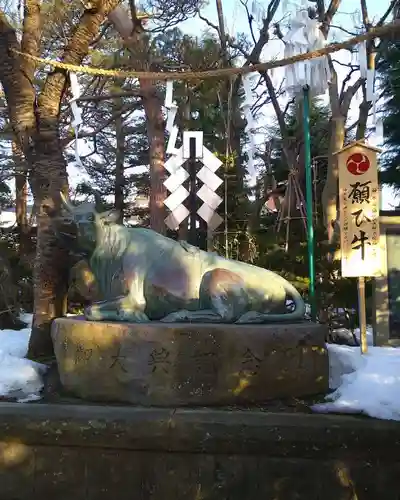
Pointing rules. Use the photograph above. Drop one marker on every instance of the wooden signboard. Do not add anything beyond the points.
(359, 220)
(359, 210)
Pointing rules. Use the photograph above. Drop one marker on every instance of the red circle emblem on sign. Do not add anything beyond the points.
(357, 164)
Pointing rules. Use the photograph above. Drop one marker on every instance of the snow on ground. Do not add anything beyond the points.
(368, 384)
(20, 378)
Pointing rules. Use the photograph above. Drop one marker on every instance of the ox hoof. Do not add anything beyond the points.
(133, 317)
(92, 313)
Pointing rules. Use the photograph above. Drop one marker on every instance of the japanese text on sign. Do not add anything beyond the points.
(359, 211)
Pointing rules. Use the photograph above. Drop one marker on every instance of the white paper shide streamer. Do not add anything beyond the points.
(304, 36)
(249, 95)
(362, 59)
(370, 95)
(172, 109)
(174, 165)
(178, 174)
(76, 113)
(257, 11)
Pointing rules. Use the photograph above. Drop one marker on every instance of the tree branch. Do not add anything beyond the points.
(18, 88)
(288, 104)
(364, 12)
(345, 82)
(221, 31)
(346, 65)
(264, 35)
(84, 135)
(280, 117)
(32, 32)
(330, 13)
(208, 22)
(363, 112)
(132, 6)
(386, 14)
(116, 95)
(335, 26)
(320, 9)
(77, 48)
(250, 20)
(348, 95)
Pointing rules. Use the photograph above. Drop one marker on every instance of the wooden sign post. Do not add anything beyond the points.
(359, 219)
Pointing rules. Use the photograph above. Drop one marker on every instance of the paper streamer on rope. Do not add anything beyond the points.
(247, 81)
(362, 59)
(76, 113)
(288, 5)
(370, 96)
(257, 11)
(304, 36)
(376, 138)
(170, 127)
(275, 77)
(174, 166)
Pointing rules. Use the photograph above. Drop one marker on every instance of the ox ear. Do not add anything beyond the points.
(112, 217)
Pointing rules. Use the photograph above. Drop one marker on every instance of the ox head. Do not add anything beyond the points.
(88, 221)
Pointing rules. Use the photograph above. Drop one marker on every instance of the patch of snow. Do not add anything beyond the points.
(343, 359)
(20, 378)
(368, 384)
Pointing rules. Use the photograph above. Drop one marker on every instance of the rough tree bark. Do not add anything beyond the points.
(155, 133)
(35, 121)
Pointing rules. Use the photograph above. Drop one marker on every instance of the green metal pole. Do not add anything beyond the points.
(309, 199)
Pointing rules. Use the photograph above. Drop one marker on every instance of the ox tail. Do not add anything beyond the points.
(300, 308)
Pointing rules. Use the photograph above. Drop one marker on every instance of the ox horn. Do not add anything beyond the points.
(66, 203)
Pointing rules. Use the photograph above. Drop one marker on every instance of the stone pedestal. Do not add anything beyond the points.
(190, 364)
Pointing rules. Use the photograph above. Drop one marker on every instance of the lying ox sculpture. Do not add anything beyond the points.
(158, 278)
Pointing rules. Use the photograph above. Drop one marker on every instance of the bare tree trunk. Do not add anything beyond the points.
(155, 133)
(35, 121)
(185, 118)
(51, 268)
(330, 191)
(49, 171)
(21, 201)
(119, 164)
